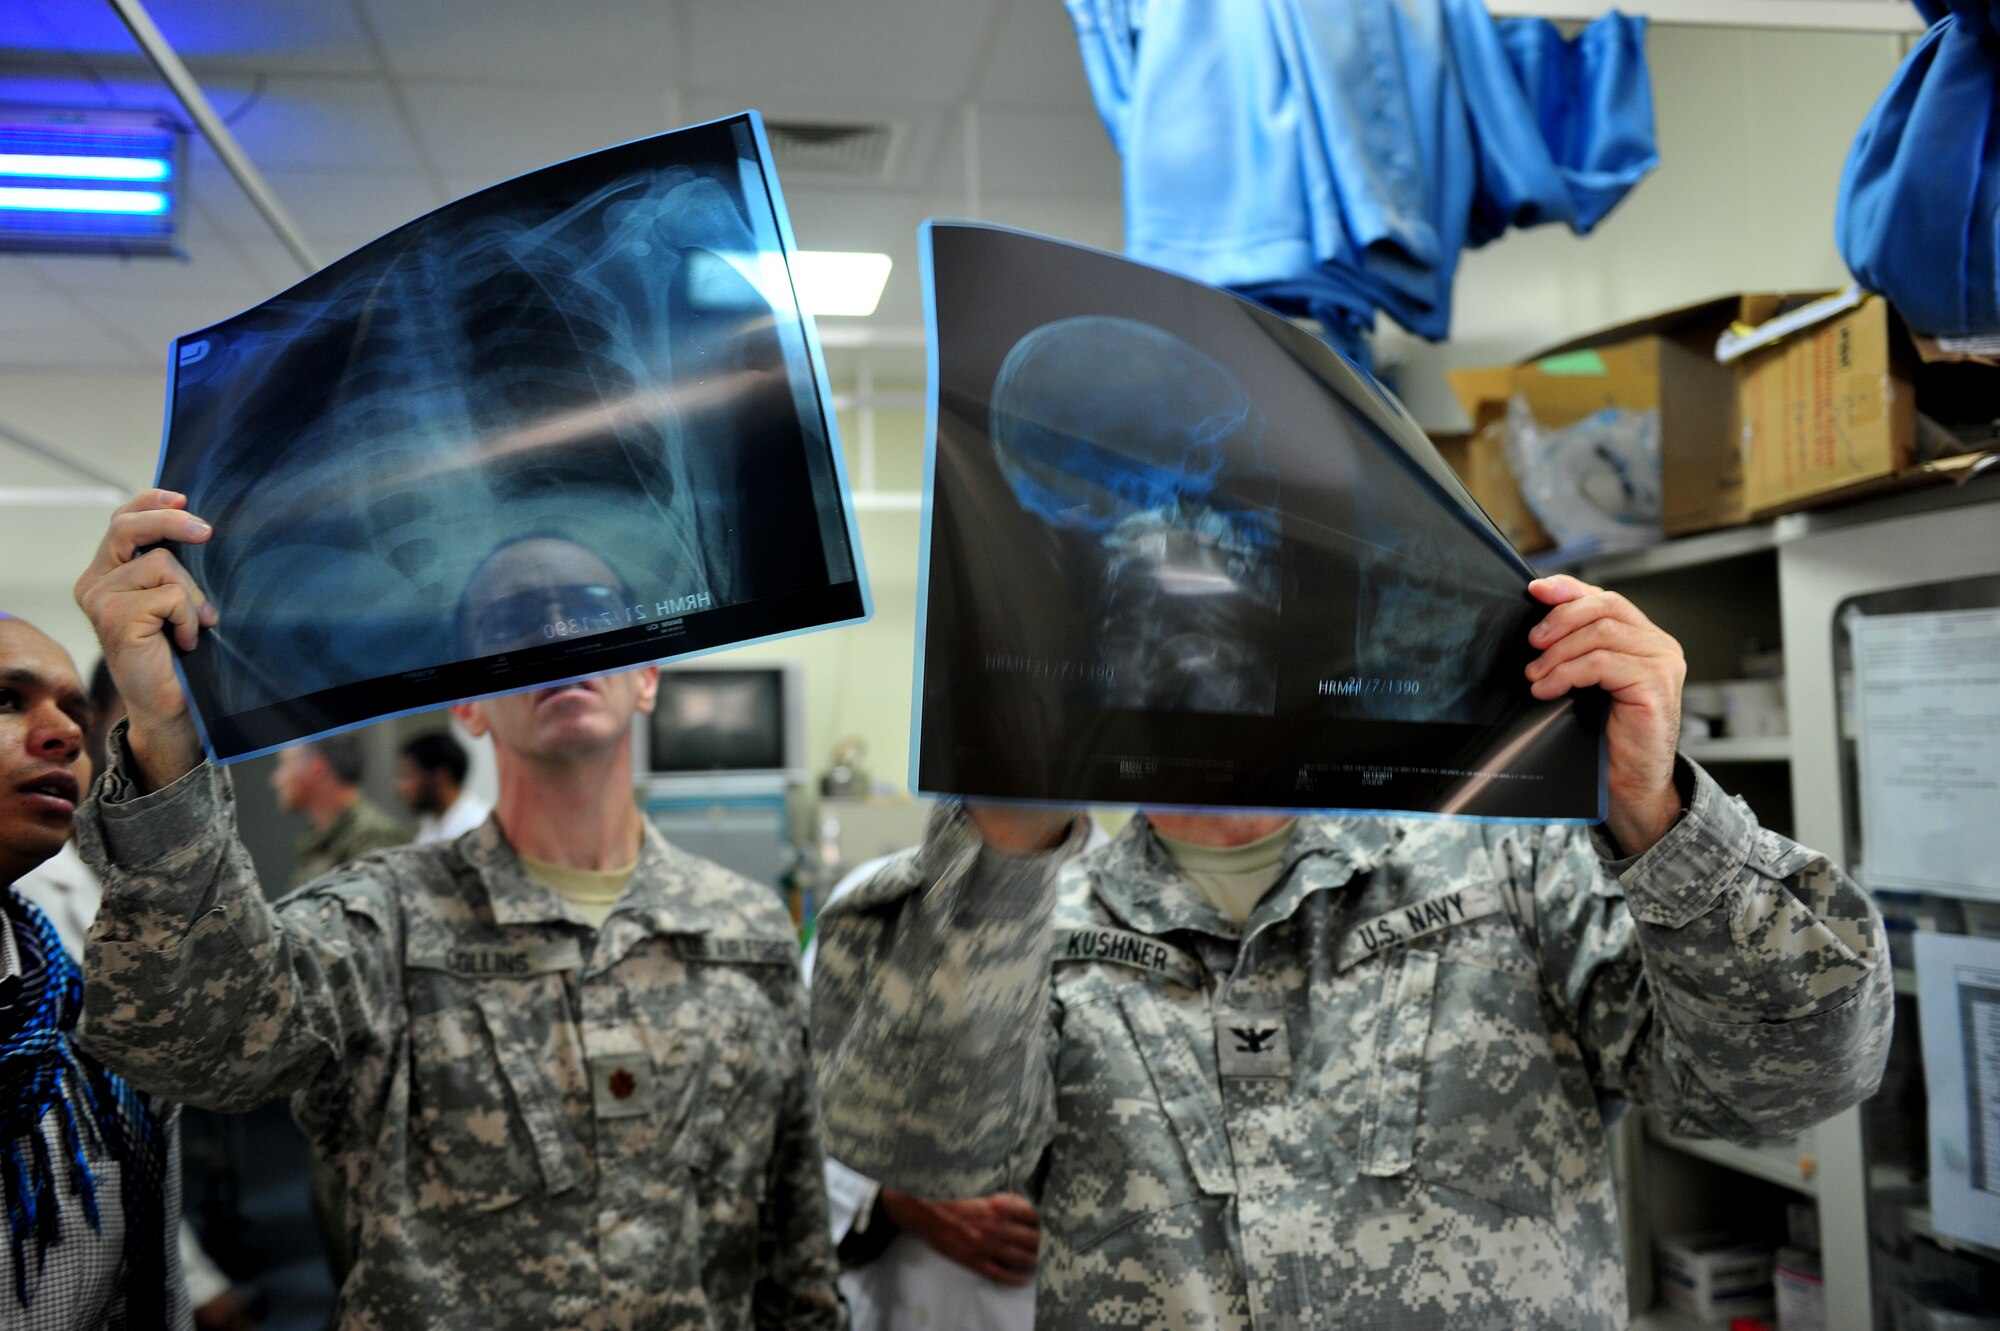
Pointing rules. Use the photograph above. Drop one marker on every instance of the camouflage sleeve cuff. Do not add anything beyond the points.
(144, 830)
(1694, 863)
(996, 884)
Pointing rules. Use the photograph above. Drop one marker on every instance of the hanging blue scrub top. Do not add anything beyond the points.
(1333, 157)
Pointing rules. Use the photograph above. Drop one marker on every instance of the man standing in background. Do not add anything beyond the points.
(430, 779)
(322, 780)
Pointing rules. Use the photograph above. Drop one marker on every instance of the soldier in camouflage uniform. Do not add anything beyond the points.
(538, 1123)
(322, 780)
(1374, 1103)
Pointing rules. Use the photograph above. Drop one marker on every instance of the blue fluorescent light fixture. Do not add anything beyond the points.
(84, 179)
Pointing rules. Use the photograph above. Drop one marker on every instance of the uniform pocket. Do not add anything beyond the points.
(1496, 1120)
(1396, 1074)
(486, 1113)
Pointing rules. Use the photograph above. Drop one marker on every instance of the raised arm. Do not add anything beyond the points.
(1730, 976)
(931, 1006)
(198, 988)
(1711, 966)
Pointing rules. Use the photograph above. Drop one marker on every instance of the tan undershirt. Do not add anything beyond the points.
(1233, 879)
(592, 892)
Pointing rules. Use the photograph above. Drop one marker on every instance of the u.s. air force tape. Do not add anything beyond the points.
(1419, 918)
(752, 951)
(483, 962)
(1120, 947)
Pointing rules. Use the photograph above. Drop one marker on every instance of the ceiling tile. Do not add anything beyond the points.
(1033, 60)
(336, 209)
(29, 312)
(316, 122)
(1086, 222)
(291, 35)
(492, 131)
(95, 352)
(1035, 152)
(571, 42)
(920, 127)
(915, 49)
(210, 264)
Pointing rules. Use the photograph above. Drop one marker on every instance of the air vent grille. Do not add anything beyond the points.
(829, 148)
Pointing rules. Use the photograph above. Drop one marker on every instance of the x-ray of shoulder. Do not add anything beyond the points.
(569, 424)
(1180, 552)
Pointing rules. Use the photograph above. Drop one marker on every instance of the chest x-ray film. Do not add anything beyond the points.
(566, 425)
(1178, 552)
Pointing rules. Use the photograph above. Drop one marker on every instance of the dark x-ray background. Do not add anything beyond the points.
(1182, 553)
(572, 368)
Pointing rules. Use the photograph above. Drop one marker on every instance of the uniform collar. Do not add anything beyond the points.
(671, 892)
(1135, 877)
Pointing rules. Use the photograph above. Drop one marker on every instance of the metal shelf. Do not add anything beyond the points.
(1786, 1164)
(1740, 749)
(1682, 552)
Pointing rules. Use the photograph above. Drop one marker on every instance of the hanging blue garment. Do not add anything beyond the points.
(1333, 157)
(1919, 212)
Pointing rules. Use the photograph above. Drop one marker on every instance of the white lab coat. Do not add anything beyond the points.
(466, 812)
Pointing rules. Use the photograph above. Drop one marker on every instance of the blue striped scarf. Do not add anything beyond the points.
(42, 1069)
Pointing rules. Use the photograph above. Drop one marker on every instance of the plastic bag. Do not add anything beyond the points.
(1595, 481)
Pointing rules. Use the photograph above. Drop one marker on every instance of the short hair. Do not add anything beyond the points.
(342, 754)
(437, 751)
(103, 689)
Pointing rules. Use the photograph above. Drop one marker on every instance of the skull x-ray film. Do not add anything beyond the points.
(1177, 552)
(569, 424)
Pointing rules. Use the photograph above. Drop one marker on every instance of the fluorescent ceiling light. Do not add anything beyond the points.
(839, 282)
(23, 199)
(84, 168)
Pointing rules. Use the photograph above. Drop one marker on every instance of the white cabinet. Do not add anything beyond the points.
(1715, 593)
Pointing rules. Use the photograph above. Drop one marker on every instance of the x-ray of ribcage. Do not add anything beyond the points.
(563, 407)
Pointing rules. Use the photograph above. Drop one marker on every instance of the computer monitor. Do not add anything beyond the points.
(723, 730)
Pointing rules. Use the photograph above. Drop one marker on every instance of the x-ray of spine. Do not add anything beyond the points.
(557, 409)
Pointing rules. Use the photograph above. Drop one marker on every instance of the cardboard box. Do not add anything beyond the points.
(1714, 1277)
(1829, 408)
(1666, 363)
(1800, 1290)
(1480, 459)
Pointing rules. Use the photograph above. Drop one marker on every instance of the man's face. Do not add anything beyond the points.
(567, 721)
(531, 592)
(294, 778)
(43, 770)
(415, 787)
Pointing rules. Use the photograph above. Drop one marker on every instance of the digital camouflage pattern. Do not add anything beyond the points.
(1375, 1104)
(536, 1126)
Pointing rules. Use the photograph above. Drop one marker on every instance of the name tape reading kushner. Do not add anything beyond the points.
(1120, 947)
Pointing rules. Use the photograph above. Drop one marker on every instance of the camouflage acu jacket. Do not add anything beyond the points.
(538, 1126)
(355, 830)
(1372, 1106)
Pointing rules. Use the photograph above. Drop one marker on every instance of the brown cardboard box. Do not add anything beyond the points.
(1480, 459)
(1665, 362)
(1828, 408)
